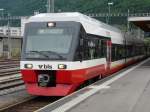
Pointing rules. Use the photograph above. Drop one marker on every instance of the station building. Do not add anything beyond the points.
(143, 23)
(10, 40)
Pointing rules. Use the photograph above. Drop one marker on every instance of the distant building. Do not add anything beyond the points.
(15, 42)
(12, 31)
(12, 46)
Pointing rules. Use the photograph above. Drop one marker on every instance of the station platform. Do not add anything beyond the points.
(127, 91)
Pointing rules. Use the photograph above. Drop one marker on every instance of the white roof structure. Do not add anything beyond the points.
(141, 22)
(139, 18)
(91, 26)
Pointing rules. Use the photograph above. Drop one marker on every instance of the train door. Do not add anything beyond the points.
(108, 55)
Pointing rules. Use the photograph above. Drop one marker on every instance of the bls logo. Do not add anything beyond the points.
(49, 67)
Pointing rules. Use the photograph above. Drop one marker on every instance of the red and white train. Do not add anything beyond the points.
(61, 51)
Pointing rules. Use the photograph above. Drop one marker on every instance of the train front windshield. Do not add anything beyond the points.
(48, 43)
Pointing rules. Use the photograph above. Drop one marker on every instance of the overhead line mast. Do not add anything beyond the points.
(50, 6)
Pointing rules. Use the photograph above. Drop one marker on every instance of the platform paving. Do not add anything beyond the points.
(129, 93)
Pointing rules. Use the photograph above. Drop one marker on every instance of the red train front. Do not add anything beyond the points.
(62, 51)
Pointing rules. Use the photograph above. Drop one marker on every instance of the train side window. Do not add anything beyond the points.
(79, 54)
(92, 48)
(103, 48)
(113, 55)
(86, 50)
(99, 49)
(118, 52)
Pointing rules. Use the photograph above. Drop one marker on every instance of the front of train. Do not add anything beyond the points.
(47, 54)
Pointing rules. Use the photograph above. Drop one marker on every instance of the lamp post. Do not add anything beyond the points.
(109, 9)
(9, 37)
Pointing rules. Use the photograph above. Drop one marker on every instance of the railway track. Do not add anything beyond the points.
(8, 72)
(30, 105)
(11, 84)
(9, 66)
(9, 60)
(10, 78)
(9, 63)
(10, 81)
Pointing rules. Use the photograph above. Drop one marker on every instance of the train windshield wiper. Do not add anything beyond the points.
(41, 53)
(55, 53)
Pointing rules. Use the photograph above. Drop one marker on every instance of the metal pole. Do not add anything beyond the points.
(50, 6)
(109, 4)
(9, 38)
(108, 13)
(53, 6)
(128, 23)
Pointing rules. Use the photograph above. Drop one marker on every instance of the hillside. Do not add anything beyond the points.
(27, 7)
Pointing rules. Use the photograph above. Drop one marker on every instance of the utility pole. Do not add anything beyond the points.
(53, 6)
(50, 6)
(128, 23)
(9, 37)
(109, 10)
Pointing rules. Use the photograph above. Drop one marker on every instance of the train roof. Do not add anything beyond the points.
(91, 26)
(72, 16)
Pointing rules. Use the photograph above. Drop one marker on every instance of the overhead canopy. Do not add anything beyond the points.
(142, 22)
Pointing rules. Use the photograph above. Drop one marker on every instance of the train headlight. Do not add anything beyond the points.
(62, 66)
(29, 66)
(51, 24)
